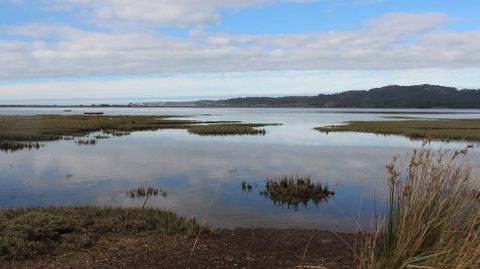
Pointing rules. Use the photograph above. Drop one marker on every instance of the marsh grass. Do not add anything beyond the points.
(227, 129)
(11, 146)
(443, 129)
(16, 131)
(432, 218)
(26, 233)
(294, 191)
(54, 127)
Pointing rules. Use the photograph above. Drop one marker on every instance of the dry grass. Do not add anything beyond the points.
(444, 129)
(432, 218)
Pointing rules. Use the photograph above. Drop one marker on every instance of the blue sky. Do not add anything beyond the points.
(52, 49)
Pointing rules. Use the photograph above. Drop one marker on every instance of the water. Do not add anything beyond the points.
(202, 175)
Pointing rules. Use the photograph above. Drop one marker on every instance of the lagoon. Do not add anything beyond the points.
(203, 174)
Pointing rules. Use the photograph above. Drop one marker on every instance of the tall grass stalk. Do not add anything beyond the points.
(432, 218)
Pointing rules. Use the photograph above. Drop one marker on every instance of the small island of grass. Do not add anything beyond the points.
(228, 129)
(441, 129)
(294, 191)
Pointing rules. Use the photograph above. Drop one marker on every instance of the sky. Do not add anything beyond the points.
(159, 49)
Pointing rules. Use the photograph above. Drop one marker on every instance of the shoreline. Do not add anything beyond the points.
(232, 248)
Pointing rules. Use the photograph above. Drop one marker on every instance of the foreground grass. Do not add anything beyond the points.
(432, 218)
(446, 129)
(26, 233)
(17, 132)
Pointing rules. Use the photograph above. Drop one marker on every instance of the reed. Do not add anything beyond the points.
(432, 218)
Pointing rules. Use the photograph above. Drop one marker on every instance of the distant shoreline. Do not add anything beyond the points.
(311, 107)
(389, 97)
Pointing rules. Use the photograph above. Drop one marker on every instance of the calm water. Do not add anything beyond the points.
(202, 175)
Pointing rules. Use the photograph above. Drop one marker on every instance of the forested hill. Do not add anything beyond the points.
(418, 96)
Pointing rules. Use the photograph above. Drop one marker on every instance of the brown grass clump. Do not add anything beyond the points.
(432, 218)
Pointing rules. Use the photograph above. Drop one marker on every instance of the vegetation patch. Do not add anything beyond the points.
(54, 127)
(26, 233)
(294, 191)
(17, 132)
(444, 129)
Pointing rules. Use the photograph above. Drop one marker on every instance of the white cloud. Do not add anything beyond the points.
(380, 44)
(159, 12)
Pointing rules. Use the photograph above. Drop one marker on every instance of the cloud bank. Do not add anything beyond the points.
(392, 41)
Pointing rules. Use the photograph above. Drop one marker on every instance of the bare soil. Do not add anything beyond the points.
(238, 248)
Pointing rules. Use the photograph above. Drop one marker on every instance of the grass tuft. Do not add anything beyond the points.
(294, 191)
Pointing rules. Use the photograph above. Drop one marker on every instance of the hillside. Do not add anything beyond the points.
(393, 96)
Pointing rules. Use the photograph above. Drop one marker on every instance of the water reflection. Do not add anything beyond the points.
(193, 173)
